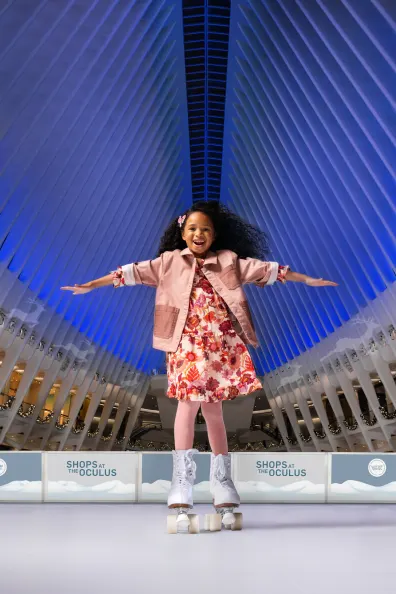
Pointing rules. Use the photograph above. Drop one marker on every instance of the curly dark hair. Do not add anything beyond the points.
(232, 232)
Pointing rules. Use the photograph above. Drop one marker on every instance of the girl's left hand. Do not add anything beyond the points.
(320, 282)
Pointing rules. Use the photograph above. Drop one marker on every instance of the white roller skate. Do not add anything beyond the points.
(225, 496)
(181, 493)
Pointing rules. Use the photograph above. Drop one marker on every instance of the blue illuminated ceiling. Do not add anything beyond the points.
(309, 156)
(114, 116)
(94, 159)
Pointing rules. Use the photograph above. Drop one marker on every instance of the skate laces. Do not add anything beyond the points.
(186, 470)
(223, 470)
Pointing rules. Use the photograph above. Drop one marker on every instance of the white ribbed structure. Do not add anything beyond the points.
(309, 156)
(362, 351)
(95, 162)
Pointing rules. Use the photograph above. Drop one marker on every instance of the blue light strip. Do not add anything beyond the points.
(206, 30)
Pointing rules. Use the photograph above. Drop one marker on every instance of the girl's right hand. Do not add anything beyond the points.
(79, 289)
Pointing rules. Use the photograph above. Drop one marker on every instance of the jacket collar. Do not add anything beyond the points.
(211, 257)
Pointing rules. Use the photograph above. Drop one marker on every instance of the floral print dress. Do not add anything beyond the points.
(211, 363)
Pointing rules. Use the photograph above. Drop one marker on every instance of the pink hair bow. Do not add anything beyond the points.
(181, 220)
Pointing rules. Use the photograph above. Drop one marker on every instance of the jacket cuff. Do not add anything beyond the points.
(273, 273)
(129, 274)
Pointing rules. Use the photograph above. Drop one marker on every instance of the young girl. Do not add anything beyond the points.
(203, 323)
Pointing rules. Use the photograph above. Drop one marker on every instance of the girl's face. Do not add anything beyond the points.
(199, 234)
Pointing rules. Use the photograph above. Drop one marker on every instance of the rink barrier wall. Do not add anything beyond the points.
(145, 477)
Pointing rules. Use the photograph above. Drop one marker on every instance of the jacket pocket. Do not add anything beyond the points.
(165, 318)
(229, 277)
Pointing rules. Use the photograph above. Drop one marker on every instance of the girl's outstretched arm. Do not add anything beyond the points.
(262, 273)
(104, 281)
(147, 273)
(298, 277)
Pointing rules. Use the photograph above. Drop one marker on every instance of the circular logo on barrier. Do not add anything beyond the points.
(377, 467)
(3, 467)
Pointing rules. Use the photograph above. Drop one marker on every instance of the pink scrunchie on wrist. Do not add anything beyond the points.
(118, 277)
(282, 271)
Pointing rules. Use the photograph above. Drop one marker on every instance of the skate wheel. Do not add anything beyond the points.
(194, 524)
(213, 522)
(172, 524)
(237, 525)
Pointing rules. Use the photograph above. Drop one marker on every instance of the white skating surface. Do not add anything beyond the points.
(103, 548)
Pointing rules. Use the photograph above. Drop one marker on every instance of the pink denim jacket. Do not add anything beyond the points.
(172, 274)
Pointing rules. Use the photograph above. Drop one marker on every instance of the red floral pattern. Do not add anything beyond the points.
(118, 277)
(282, 271)
(211, 363)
